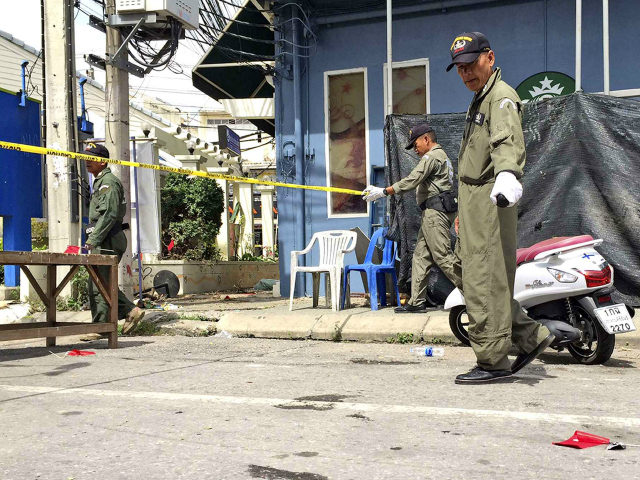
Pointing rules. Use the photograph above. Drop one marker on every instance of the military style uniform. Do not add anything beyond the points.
(493, 142)
(432, 176)
(106, 211)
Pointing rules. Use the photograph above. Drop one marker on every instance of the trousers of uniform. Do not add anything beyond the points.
(433, 246)
(112, 245)
(488, 250)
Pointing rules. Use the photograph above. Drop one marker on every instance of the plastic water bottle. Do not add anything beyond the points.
(428, 351)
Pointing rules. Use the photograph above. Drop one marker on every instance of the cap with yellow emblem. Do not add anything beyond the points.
(97, 149)
(466, 47)
(416, 132)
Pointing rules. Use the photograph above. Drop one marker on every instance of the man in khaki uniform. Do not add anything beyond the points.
(432, 179)
(105, 236)
(491, 159)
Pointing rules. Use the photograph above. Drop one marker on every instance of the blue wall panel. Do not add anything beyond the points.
(20, 177)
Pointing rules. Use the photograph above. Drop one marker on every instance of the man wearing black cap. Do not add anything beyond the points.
(491, 159)
(432, 179)
(105, 235)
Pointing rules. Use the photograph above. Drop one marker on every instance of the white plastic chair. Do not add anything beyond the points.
(333, 245)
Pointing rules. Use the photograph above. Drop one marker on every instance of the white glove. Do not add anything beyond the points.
(508, 185)
(371, 193)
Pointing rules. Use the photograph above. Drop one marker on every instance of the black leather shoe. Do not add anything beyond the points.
(413, 309)
(480, 375)
(525, 359)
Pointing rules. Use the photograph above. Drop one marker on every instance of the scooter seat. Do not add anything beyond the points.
(528, 254)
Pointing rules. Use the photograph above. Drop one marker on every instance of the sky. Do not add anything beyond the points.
(22, 20)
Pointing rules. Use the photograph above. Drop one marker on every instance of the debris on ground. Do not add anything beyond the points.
(265, 285)
(223, 334)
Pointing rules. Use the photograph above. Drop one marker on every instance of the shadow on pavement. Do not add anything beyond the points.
(567, 359)
(26, 352)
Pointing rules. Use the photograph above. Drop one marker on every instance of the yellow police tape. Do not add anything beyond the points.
(215, 176)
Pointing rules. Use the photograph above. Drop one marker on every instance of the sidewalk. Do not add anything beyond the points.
(263, 316)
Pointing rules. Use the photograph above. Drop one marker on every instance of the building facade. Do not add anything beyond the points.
(330, 86)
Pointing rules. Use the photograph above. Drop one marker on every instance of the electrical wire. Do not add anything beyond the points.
(29, 82)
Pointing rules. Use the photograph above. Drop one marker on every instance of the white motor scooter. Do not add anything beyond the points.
(563, 282)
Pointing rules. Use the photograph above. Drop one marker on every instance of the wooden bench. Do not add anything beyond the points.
(52, 329)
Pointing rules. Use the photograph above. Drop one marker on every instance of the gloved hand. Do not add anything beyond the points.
(508, 185)
(371, 193)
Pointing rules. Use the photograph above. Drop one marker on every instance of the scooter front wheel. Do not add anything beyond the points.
(596, 345)
(459, 324)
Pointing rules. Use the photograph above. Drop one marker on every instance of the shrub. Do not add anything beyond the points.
(191, 217)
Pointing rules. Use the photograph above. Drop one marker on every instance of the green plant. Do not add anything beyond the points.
(80, 287)
(402, 338)
(337, 333)
(191, 217)
(39, 235)
(143, 329)
(64, 304)
(35, 304)
(197, 317)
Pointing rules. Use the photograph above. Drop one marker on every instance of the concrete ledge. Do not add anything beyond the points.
(261, 324)
(9, 293)
(198, 277)
(373, 327)
(329, 327)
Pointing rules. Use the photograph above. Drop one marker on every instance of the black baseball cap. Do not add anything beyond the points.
(416, 132)
(466, 47)
(97, 149)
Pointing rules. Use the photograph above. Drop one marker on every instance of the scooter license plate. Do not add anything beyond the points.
(615, 319)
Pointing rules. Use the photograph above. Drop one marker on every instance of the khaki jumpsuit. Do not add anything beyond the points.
(432, 175)
(106, 211)
(493, 142)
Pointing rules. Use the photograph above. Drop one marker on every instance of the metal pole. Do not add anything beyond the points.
(389, 99)
(139, 253)
(299, 141)
(578, 45)
(605, 44)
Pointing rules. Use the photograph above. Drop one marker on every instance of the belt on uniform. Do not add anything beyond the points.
(476, 181)
(443, 202)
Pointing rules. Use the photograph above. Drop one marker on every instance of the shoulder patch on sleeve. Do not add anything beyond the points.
(103, 187)
(505, 102)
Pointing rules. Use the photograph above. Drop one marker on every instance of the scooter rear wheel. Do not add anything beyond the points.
(459, 324)
(597, 346)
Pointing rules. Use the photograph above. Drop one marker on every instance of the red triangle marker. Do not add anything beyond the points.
(583, 440)
(80, 353)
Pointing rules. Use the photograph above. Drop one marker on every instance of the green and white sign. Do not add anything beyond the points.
(545, 85)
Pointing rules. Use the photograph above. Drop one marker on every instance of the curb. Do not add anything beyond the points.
(358, 325)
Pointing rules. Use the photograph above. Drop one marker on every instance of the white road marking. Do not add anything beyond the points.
(349, 406)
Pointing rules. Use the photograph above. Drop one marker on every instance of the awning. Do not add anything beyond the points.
(236, 66)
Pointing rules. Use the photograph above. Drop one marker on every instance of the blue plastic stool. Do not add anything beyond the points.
(375, 272)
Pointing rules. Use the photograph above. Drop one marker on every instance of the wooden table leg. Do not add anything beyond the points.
(51, 308)
(113, 311)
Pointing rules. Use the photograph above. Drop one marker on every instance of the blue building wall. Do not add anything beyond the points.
(20, 177)
(528, 37)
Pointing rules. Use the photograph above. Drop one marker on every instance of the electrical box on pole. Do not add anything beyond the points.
(185, 11)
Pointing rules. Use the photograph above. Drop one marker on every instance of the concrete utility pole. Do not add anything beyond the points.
(117, 135)
(61, 122)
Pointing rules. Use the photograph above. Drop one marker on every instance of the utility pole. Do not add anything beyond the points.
(117, 134)
(61, 124)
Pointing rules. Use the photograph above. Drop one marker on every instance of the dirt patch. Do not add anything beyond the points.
(259, 471)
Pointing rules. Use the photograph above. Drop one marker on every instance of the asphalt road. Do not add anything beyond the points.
(215, 408)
